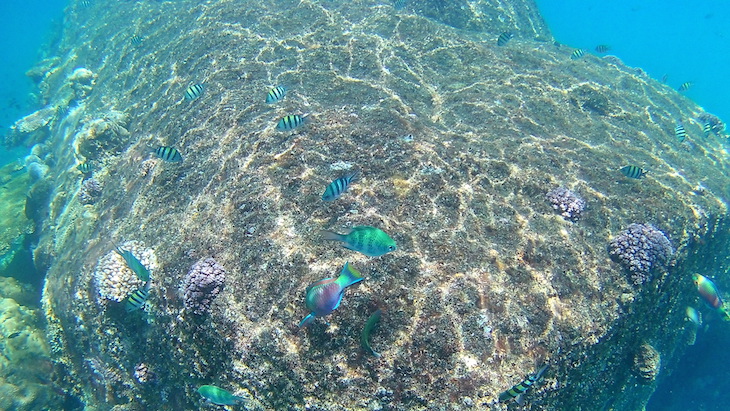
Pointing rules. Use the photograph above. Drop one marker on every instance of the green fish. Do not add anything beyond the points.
(369, 327)
(218, 396)
(371, 241)
(134, 264)
(517, 391)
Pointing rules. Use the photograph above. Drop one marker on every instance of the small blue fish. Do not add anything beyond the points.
(336, 188)
(194, 91)
(134, 264)
(275, 94)
(136, 40)
(291, 122)
(577, 54)
(504, 38)
(680, 132)
(633, 171)
(138, 298)
(665, 78)
(603, 48)
(325, 296)
(169, 154)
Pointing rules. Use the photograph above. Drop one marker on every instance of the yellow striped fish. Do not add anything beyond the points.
(504, 38)
(518, 390)
(290, 122)
(685, 86)
(680, 132)
(633, 171)
(275, 94)
(577, 54)
(169, 154)
(138, 298)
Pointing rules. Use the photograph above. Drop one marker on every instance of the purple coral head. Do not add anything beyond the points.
(568, 203)
(639, 249)
(202, 284)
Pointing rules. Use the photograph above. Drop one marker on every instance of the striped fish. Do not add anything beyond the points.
(680, 132)
(685, 86)
(193, 92)
(290, 122)
(138, 298)
(337, 187)
(85, 168)
(633, 171)
(578, 53)
(136, 40)
(707, 129)
(518, 390)
(275, 94)
(602, 48)
(504, 38)
(169, 154)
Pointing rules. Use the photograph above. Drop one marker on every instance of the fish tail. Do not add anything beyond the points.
(349, 276)
(332, 236)
(353, 176)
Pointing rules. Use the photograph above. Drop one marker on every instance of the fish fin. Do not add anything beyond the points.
(332, 236)
(541, 371)
(520, 399)
(338, 301)
(349, 275)
(306, 320)
(354, 176)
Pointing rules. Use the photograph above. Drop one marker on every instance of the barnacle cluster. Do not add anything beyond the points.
(568, 203)
(647, 363)
(114, 280)
(640, 248)
(202, 284)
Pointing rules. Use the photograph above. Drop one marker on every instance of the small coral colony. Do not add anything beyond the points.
(126, 272)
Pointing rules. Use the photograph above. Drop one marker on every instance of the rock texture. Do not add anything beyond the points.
(457, 141)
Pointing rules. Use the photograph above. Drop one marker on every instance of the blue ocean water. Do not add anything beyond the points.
(27, 26)
(688, 41)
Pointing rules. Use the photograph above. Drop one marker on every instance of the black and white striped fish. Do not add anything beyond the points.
(337, 187)
(633, 171)
(138, 298)
(169, 154)
(518, 390)
(290, 122)
(578, 53)
(504, 38)
(194, 91)
(680, 132)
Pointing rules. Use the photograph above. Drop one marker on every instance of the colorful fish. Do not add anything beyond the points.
(169, 154)
(194, 91)
(219, 396)
(694, 316)
(291, 122)
(370, 325)
(134, 264)
(685, 86)
(504, 38)
(680, 132)
(336, 188)
(603, 48)
(137, 299)
(633, 171)
(325, 296)
(518, 390)
(709, 292)
(578, 53)
(371, 241)
(275, 94)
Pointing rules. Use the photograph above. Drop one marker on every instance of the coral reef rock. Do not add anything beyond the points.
(647, 363)
(641, 248)
(202, 284)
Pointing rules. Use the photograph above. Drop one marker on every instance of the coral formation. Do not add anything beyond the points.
(102, 135)
(647, 363)
(114, 280)
(143, 374)
(202, 284)
(82, 82)
(569, 204)
(15, 225)
(90, 191)
(31, 129)
(640, 248)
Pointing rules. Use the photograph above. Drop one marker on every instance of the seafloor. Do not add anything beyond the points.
(457, 141)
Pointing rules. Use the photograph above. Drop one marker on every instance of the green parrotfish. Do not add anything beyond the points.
(134, 264)
(370, 325)
(218, 396)
(325, 296)
(371, 241)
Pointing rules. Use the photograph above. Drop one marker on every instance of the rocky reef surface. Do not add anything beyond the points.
(458, 142)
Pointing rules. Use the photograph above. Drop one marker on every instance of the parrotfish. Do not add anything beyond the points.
(370, 325)
(709, 292)
(218, 396)
(325, 296)
(335, 189)
(134, 264)
(371, 241)
(518, 390)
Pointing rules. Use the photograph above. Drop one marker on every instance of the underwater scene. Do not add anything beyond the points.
(364, 205)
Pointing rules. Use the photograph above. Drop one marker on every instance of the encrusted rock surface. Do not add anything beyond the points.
(457, 141)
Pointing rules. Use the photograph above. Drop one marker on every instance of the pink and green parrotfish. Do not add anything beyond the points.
(325, 296)
(371, 241)
(709, 292)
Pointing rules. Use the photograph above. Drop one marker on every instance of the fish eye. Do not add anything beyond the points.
(391, 248)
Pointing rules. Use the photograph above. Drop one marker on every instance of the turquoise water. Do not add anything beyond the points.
(688, 41)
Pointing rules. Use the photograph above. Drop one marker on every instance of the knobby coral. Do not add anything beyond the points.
(640, 248)
(202, 284)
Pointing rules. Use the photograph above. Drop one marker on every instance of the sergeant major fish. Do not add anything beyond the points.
(169, 154)
(337, 187)
(194, 91)
(371, 241)
(633, 172)
(291, 122)
(275, 94)
(137, 299)
(518, 390)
